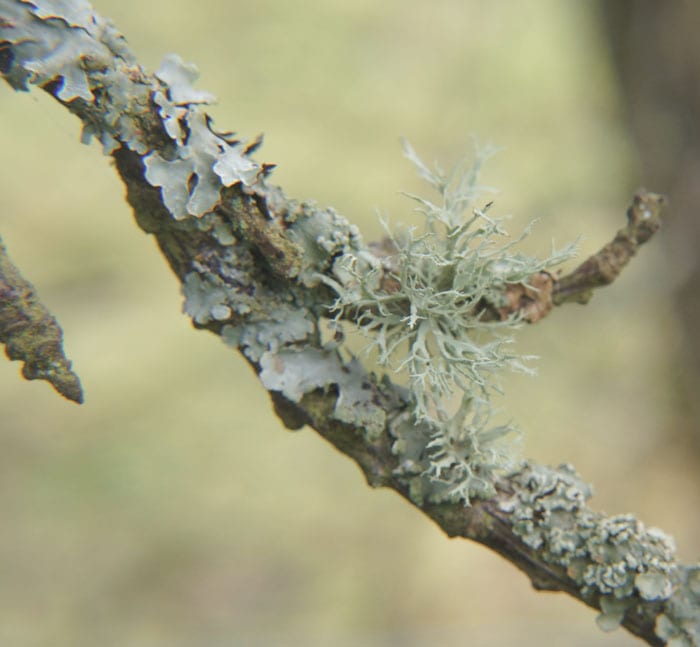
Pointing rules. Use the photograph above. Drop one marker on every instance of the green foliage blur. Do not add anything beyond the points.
(172, 508)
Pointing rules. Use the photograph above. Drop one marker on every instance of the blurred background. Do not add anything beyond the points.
(172, 508)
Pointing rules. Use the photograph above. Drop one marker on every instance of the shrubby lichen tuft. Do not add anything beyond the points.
(422, 309)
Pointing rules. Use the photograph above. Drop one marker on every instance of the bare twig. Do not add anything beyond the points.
(643, 221)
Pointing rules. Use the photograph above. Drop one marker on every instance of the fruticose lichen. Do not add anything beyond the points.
(422, 309)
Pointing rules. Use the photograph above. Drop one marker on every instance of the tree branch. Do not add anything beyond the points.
(31, 334)
(256, 268)
(643, 221)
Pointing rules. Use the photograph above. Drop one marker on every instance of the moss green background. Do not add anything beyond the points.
(172, 508)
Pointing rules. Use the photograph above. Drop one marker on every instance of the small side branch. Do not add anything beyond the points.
(643, 221)
(535, 299)
(31, 334)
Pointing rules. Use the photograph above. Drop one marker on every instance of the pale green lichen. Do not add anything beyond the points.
(287, 326)
(461, 471)
(437, 279)
(295, 373)
(56, 41)
(327, 238)
(285, 343)
(229, 291)
(422, 309)
(67, 43)
(679, 624)
(612, 612)
(180, 77)
(75, 14)
(205, 300)
(616, 557)
(203, 161)
(43, 53)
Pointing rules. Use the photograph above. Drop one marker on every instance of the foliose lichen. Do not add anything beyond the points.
(200, 162)
(614, 559)
(41, 51)
(277, 327)
(679, 624)
(295, 373)
(66, 43)
(205, 300)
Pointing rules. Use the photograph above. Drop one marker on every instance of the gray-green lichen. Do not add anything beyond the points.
(288, 325)
(293, 361)
(296, 373)
(276, 327)
(43, 53)
(421, 308)
(327, 239)
(68, 44)
(417, 299)
(615, 559)
(455, 463)
(201, 162)
(206, 298)
(679, 624)
(71, 46)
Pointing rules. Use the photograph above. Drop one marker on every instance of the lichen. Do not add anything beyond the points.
(276, 326)
(205, 300)
(328, 240)
(203, 161)
(179, 78)
(192, 172)
(295, 373)
(75, 14)
(286, 326)
(420, 297)
(679, 624)
(615, 558)
(67, 44)
(421, 307)
(42, 53)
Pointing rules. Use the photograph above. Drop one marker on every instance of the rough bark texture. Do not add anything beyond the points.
(30, 334)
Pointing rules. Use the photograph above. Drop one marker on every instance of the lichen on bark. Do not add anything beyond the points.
(261, 270)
